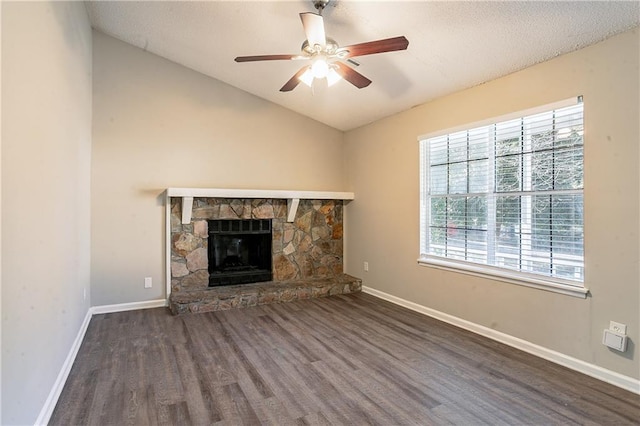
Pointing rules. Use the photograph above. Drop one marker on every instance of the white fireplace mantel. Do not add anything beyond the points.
(293, 197)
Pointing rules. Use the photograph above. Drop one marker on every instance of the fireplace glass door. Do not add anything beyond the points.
(239, 251)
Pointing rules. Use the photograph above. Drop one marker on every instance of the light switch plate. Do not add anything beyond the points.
(614, 340)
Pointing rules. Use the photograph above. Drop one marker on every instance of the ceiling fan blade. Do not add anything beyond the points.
(314, 28)
(265, 58)
(351, 75)
(294, 81)
(378, 46)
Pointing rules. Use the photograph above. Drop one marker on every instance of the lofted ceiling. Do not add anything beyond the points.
(453, 45)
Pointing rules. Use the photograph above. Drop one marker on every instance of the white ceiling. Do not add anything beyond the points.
(452, 45)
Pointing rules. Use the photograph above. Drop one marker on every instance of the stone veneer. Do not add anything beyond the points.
(310, 247)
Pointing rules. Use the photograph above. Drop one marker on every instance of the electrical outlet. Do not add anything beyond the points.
(148, 282)
(617, 327)
(366, 266)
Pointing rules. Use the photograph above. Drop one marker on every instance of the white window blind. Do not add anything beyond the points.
(508, 195)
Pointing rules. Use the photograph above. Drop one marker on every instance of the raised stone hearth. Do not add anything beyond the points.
(245, 295)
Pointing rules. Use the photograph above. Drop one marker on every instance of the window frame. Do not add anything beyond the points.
(549, 283)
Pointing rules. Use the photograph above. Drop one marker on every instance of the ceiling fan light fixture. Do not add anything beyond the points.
(333, 77)
(320, 68)
(307, 77)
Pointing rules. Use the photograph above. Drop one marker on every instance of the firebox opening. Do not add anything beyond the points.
(239, 251)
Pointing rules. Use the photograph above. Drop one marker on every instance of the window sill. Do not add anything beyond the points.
(504, 276)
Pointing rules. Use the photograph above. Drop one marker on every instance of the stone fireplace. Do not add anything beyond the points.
(309, 247)
(306, 251)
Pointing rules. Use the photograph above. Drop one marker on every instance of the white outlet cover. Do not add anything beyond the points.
(617, 327)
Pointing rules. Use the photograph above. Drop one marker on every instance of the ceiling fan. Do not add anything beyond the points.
(326, 54)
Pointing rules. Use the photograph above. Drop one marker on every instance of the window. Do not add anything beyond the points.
(506, 199)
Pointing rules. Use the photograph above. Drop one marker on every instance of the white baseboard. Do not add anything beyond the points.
(122, 307)
(592, 370)
(52, 399)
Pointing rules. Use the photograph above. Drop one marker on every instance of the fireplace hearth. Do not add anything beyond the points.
(239, 251)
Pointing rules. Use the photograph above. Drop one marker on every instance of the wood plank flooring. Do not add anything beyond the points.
(342, 360)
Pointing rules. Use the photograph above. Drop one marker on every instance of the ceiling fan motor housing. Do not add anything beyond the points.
(331, 48)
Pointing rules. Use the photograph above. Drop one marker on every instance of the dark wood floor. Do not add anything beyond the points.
(351, 360)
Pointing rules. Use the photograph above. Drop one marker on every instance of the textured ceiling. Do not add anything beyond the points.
(452, 45)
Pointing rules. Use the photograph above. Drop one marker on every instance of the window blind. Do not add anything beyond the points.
(508, 194)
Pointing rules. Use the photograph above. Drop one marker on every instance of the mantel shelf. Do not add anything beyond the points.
(293, 197)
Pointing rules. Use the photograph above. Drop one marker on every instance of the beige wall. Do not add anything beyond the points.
(383, 221)
(157, 125)
(46, 154)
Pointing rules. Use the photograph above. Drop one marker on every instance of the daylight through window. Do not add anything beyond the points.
(508, 195)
